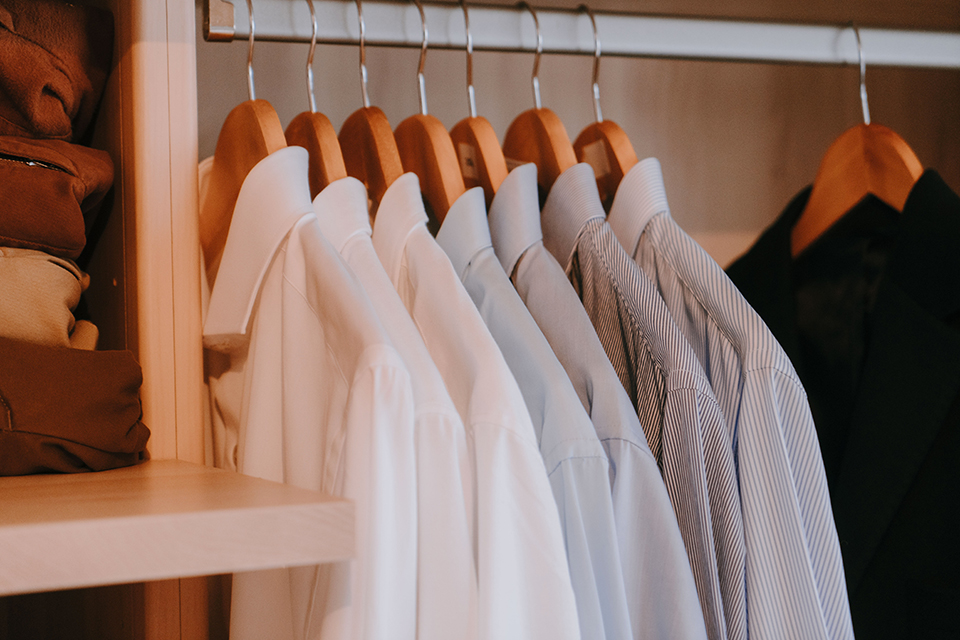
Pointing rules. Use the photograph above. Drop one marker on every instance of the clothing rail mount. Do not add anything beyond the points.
(569, 32)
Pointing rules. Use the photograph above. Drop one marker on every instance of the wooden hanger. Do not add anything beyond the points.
(603, 144)
(250, 133)
(538, 135)
(427, 149)
(313, 132)
(869, 158)
(366, 139)
(481, 159)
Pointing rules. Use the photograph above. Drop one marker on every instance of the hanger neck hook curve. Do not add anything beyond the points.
(863, 75)
(421, 82)
(536, 60)
(598, 114)
(471, 93)
(363, 56)
(313, 47)
(251, 91)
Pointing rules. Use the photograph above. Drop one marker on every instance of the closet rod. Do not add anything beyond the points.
(566, 31)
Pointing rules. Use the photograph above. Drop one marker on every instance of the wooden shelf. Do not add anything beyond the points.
(158, 520)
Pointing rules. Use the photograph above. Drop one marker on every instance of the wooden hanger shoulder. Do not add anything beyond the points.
(481, 158)
(606, 147)
(427, 150)
(370, 151)
(864, 159)
(313, 132)
(250, 133)
(538, 136)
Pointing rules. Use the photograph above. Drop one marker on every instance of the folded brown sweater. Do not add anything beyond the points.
(68, 410)
(54, 62)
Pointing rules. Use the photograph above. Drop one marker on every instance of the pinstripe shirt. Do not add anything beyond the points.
(676, 406)
(795, 580)
(577, 466)
(661, 595)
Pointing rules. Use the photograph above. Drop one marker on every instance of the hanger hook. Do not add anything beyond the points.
(596, 63)
(471, 93)
(863, 75)
(536, 60)
(363, 56)
(253, 27)
(313, 46)
(423, 59)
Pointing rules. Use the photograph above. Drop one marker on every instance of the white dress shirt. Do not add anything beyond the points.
(523, 577)
(446, 575)
(661, 594)
(576, 463)
(308, 389)
(795, 577)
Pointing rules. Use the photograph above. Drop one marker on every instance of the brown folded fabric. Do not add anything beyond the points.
(48, 193)
(54, 61)
(68, 410)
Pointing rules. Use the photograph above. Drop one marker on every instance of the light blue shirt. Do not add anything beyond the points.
(576, 464)
(661, 594)
(795, 579)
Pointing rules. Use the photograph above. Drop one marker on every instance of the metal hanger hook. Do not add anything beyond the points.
(536, 59)
(363, 56)
(423, 59)
(253, 28)
(596, 63)
(863, 75)
(471, 93)
(313, 46)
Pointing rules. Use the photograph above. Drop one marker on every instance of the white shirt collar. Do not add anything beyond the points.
(341, 210)
(572, 203)
(465, 231)
(515, 216)
(400, 211)
(274, 196)
(640, 196)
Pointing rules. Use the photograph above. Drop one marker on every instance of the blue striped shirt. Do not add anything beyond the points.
(661, 594)
(795, 580)
(676, 406)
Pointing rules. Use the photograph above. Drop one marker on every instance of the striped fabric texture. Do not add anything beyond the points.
(678, 411)
(795, 580)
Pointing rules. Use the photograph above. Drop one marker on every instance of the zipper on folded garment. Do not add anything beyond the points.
(30, 162)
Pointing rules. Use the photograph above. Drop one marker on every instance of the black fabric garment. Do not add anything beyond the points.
(873, 307)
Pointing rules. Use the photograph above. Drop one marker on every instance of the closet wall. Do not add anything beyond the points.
(736, 140)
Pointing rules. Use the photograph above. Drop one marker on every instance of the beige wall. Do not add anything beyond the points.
(736, 140)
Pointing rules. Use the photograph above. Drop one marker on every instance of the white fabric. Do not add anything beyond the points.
(524, 581)
(447, 577)
(306, 388)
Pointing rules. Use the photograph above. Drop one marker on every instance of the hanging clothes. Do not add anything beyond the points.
(576, 464)
(795, 587)
(661, 595)
(891, 447)
(307, 389)
(676, 406)
(446, 574)
(522, 572)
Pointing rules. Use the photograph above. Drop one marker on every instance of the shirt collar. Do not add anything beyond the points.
(273, 197)
(640, 196)
(465, 231)
(515, 216)
(341, 210)
(573, 201)
(400, 212)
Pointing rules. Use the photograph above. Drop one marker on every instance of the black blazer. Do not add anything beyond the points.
(896, 493)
